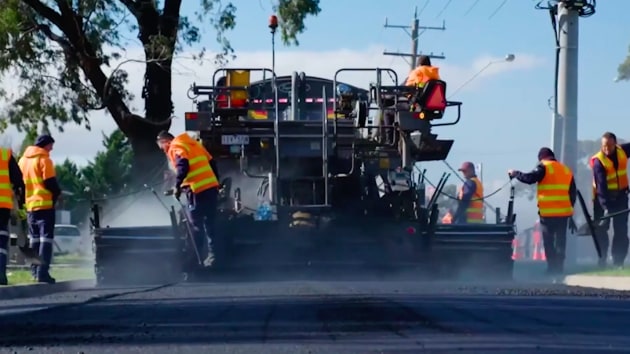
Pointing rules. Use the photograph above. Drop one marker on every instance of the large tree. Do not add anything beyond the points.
(59, 50)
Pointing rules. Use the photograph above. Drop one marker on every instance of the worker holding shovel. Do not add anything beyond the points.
(196, 176)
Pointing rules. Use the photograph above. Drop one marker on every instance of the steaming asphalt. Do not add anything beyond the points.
(321, 316)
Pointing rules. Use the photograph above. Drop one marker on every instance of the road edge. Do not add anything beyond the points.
(598, 282)
(36, 290)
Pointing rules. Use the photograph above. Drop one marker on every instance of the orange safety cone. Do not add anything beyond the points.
(516, 250)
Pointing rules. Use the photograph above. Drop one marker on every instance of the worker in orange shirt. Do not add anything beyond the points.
(197, 177)
(42, 193)
(423, 73)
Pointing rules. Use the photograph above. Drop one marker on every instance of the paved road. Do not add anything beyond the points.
(296, 316)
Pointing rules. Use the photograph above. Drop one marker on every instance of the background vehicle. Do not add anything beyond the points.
(68, 239)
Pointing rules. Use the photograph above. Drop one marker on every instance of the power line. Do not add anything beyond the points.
(423, 7)
(471, 7)
(444, 8)
(498, 9)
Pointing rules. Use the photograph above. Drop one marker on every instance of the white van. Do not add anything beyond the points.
(68, 239)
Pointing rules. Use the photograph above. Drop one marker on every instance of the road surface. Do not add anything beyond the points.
(320, 316)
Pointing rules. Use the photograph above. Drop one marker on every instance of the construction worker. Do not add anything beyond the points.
(470, 207)
(556, 196)
(423, 73)
(197, 176)
(42, 193)
(610, 168)
(11, 183)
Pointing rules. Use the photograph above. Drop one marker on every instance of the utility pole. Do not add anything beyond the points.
(568, 33)
(414, 34)
(565, 16)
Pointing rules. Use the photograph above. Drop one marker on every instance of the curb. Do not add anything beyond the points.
(36, 290)
(598, 282)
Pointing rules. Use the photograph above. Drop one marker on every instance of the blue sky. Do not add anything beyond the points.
(506, 117)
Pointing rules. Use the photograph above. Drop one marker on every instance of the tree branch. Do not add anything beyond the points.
(65, 44)
(46, 12)
(133, 7)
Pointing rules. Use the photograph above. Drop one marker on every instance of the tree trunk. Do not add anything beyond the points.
(149, 162)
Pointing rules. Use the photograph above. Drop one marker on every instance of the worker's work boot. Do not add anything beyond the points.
(43, 276)
(209, 259)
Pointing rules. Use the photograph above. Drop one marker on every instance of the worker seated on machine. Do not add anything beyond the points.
(419, 77)
(422, 74)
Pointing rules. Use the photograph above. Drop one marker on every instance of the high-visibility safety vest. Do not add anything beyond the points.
(37, 167)
(616, 180)
(474, 213)
(200, 175)
(553, 190)
(6, 192)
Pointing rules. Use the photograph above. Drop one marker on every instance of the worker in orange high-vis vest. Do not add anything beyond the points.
(11, 183)
(42, 192)
(610, 176)
(470, 209)
(424, 72)
(197, 176)
(556, 196)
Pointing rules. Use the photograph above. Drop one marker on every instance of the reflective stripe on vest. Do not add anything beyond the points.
(200, 175)
(474, 212)
(6, 192)
(37, 196)
(553, 190)
(616, 179)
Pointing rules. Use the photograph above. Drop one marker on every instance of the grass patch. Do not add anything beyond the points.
(23, 276)
(72, 258)
(625, 272)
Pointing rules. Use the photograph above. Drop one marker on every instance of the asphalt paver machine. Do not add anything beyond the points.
(323, 174)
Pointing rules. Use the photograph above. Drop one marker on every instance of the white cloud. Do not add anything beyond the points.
(80, 145)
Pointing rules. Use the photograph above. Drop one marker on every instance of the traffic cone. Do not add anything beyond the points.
(516, 254)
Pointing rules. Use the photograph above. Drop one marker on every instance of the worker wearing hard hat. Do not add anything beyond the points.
(556, 196)
(610, 194)
(197, 177)
(42, 192)
(12, 184)
(470, 206)
(423, 73)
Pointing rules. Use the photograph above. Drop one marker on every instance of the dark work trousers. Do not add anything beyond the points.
(554, 233)
(202, 209)
(41, 227)
(5, 215)
(619, 249)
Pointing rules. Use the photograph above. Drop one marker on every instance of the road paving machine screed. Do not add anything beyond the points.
(335, 175)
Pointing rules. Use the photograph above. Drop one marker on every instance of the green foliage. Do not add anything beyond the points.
(623, 70)
(59, 50)
(109, 174)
